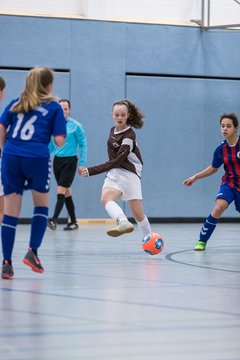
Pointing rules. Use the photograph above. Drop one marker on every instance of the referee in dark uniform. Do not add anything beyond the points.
(65, 163)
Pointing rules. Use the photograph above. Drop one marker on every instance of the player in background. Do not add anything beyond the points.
(65, 164)
(124, 167)
(2, 88)
(2, 92)
(228, 155)
(29, 121)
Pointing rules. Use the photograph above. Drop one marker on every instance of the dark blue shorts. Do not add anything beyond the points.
(20, 173)
(230, 195)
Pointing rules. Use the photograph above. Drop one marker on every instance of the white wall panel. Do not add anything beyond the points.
(145, 10)
(224, 12)
(43, 7)
(157, 11)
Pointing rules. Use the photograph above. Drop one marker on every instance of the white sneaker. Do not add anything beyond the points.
(123, 227)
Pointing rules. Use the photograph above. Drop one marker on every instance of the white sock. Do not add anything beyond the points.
(114, 210)
(144, 226)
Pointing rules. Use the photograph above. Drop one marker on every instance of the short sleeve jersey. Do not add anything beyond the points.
(229, 156)
(123, 153)
(28, 135)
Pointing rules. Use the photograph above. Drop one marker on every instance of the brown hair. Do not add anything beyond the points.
(2, 84)
(231, 116)
(65, 100)
(135, 118)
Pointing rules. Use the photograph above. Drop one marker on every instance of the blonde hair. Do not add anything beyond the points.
(36, 90)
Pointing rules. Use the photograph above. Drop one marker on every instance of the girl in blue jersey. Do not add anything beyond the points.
(2, 92)
(228, 155)
(28, 123)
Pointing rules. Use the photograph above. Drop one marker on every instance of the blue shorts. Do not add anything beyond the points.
(229, 194)
(21, 173)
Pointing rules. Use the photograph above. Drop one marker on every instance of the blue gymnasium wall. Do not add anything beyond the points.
(181, 78)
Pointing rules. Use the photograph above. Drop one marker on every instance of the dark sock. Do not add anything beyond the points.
(38, 226)
(59, 206)
(35, 252)
(9, 262)
(71, 209)
(8, 231)
(208, 228)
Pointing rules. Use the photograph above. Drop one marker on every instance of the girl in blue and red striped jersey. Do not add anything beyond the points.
(29, 122)
(227, 154)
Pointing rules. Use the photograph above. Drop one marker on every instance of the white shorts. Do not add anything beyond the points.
(125, 181)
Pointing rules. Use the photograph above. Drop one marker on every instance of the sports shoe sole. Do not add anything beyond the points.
(66, 228)
(52, 227)
(34, 268)
(7, 276)
(7, 271)
(116, 232)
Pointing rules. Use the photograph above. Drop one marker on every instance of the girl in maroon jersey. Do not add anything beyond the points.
(124, 167)
(227, 154)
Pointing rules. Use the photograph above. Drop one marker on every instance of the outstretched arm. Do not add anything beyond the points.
(210, 170)
(83, 171)
(113, 163)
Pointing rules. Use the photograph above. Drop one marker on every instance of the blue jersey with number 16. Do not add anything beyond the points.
(28, 135)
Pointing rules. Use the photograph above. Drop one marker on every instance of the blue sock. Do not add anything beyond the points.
(8, 231)
(38, 226)
(208, 228)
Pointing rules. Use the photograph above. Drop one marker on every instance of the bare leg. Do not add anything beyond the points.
(220, 206)
(138, 213)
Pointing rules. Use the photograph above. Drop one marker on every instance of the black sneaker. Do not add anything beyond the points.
(7, 270)
(33, 261)
(71, 226)
(52, 224)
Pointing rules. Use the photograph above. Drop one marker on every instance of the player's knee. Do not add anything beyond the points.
(219, 208)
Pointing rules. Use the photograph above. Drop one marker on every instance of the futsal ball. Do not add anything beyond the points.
(153, 243)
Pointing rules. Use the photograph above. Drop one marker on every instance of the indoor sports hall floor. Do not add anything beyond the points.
(103, 298)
